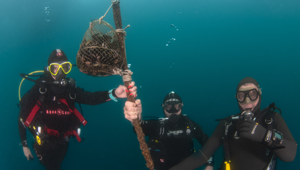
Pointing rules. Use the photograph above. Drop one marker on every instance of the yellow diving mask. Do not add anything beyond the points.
(54, 68)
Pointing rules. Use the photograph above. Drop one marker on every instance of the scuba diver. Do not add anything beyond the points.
(170, 138)
(252, 139)
(48, 110)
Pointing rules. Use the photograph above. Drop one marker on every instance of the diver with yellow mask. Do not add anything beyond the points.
(48, 110)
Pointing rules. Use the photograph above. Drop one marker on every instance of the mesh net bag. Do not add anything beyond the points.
(99, 53)
(102, 53)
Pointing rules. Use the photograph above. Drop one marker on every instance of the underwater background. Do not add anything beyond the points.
(218, 42)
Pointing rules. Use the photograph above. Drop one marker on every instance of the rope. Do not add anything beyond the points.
(126, 74)
(122, 30)
(90, 26)
(115, 1)
(101, 18)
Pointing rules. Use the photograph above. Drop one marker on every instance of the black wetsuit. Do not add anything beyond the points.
(244, 154)
(169, 144)
(54, 115)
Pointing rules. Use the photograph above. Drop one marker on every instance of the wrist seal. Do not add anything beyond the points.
(24, 143)
(112, 95)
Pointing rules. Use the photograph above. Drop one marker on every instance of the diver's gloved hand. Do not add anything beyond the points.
(27, 153)
(252, 130)
(133, 110)
(122, 90)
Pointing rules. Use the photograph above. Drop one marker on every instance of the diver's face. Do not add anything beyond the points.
(55, 69)
(177, 106)
(247, 104)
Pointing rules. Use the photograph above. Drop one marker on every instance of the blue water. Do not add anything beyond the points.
(218, 43)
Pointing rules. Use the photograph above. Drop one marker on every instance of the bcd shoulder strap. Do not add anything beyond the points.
(43, 90)
(228, 124)
(39, 103)
(269, 121)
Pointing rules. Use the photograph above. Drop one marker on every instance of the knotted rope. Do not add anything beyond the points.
(126, 74)
(122, 30)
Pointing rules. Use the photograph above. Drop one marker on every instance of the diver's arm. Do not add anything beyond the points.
(26, 104)
(92, 98)
(22, 132)
(201, 157)
(104, 96)
(288, 153)
(202, 138)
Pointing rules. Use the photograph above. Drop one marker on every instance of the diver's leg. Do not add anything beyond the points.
(52, 154)
(39, 151)
(56, 156)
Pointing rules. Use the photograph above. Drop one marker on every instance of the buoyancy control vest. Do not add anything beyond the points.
(158, 143)
(67, 98)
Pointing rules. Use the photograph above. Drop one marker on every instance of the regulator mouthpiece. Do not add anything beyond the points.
(63, 82)
(247, 115)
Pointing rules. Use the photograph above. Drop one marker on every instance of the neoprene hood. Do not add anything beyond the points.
(57, 56)
(253, 81)
(172, 99)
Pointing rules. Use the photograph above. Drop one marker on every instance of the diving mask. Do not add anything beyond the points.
(252, 94)
(54, 68)
(172, 108)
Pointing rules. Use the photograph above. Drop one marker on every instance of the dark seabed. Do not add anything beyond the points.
(218, 43)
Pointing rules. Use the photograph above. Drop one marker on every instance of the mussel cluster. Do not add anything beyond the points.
(99, 55)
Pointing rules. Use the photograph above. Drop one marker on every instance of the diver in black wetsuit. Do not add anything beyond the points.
(48, 111)
(253, 138)
(170, 138)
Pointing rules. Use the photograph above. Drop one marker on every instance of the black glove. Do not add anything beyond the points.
(252, 130)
